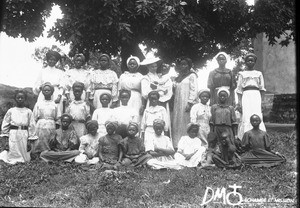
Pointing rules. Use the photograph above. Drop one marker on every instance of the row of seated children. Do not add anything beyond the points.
(45, 114)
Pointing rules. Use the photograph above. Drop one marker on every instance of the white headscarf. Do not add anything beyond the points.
(134, 58)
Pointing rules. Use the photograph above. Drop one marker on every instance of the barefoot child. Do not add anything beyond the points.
(190, 151)
(256, 145)
(65, 144)
(18, 124)
(110, 152)
(200, 113)
(46, 114)
(79, 110)
(89, 144)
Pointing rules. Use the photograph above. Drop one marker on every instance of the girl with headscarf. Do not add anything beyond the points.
(52, 75)
(110, 151)
(104, 80)
(223, 118)
(200, 113)
(221, 77)
(77, 74)
(250, 90)
(131, 80)
(46, 115)
(185, 95)
(155, 82)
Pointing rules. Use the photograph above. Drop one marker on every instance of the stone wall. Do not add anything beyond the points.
(278, 65)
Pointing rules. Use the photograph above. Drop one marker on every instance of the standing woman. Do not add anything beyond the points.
(250, 90)
(185, 96)
(52, 75)
(221, 77)
(131, 80)
(77, 74)
(104, 80)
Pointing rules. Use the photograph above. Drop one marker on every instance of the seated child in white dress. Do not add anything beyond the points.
(190, 152)
(89, 144)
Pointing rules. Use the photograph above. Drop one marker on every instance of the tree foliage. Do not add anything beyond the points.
(174, 27)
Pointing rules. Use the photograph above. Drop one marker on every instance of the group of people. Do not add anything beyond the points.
(95, 117)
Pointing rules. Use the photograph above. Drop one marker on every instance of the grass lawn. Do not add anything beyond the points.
(70, 185)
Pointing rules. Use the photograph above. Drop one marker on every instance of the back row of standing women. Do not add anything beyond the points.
(149, 96)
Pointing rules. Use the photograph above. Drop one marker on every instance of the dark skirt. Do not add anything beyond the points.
(262, 158)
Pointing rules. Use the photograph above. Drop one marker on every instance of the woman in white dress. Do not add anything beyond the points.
(185, 95)
(52, 75)
(104, 80)
(131, 80)
(250, 90)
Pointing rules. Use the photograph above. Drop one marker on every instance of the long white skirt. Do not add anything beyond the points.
(251, 104)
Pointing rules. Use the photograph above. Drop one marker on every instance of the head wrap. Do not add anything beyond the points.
(124, 90)
(148, 61)
(134, 58)
(114, 123)
(51, 53)
(153, 93)
(222, 53)
(79, 55)
(250, 55)
(225, 89)
(49, 85)
(66, 115)
(91, 123)
(78, 84)
(24, 92)
(135, 124)
(159, 122)
(109, 95)
(191, 125)
(105, 55)
(204, 90)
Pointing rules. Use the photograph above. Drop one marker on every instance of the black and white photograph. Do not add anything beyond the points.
(148, 103)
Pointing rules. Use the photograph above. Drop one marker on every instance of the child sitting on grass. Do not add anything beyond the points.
(18, 126)
(89, 144)
(227, 157)
(256, 145)
(132, 146)
(190, 152)
(161, 149)
(110, 152)
(65, 144)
